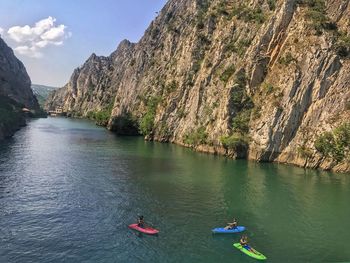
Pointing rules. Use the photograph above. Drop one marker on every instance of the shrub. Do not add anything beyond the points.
(241, 78)
(343, 44)
(272, 4)
(268, 88)
(201, 14)
(146, 124)
(101, 117)
(228, 72)
(304, 151)
(234, 142)
(335, 144)
(172, 86)
(248, 14)
(317, 14)
(239, 48)
(287, 59)
(230, 47)
(240, 123)
(125, 124)
(221, 9)
(197, 137)
(239, 98)
(256, 112)
(155, 33)
(242, 105)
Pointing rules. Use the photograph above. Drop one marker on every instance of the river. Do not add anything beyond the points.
(69, 189)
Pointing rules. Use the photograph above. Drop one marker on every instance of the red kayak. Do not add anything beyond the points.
(146, 230)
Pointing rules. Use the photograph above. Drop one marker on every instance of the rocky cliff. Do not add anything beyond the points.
(15, 92)
(266, 80)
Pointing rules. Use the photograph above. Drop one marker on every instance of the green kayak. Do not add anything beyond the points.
(255, 254)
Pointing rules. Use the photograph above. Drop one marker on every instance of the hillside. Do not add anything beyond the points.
(42, 92)
(265, 80)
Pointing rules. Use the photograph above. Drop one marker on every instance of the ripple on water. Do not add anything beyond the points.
(69, 189)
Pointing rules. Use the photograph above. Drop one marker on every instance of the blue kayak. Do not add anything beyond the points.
(222, 230)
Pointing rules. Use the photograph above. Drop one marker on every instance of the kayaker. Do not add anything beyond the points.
(141, 222)
(244, 243)
(231, 225)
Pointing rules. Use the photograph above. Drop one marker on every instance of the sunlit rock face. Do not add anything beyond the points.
(248, 79)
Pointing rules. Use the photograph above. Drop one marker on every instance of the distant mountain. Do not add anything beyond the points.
(42, 92)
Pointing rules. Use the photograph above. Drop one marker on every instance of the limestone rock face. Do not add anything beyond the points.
(15, 92)
(92, 86)
(217, 75)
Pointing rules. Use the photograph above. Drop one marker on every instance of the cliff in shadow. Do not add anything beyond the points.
(15, 93)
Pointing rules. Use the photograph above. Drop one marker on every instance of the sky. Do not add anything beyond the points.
(53, 37)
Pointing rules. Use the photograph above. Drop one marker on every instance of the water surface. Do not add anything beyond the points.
(68, 190)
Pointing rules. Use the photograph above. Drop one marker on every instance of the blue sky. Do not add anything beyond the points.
(61, 34)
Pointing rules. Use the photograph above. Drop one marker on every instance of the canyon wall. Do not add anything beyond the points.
(266, 80)
(15, 92)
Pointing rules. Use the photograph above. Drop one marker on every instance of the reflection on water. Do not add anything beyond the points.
(68, 190)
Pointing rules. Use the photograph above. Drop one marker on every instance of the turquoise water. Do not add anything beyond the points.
(69, 189)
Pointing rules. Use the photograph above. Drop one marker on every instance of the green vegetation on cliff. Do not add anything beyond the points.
(101, 117)
(242, 106)
(335, 144)
(343, 44)
(235, 142)
(317, 14)
(248, 14)
(197, 137)
(146, 124)
(228, 72)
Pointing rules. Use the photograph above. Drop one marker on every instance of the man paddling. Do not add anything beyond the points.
(141, 222)
(232, 225)
(244, 243)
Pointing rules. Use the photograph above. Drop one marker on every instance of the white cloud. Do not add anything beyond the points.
(1, 30)
(41, 44)
(54, 34)
(21, 34)
(42, 34)
(43, 25)
(32, 52)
